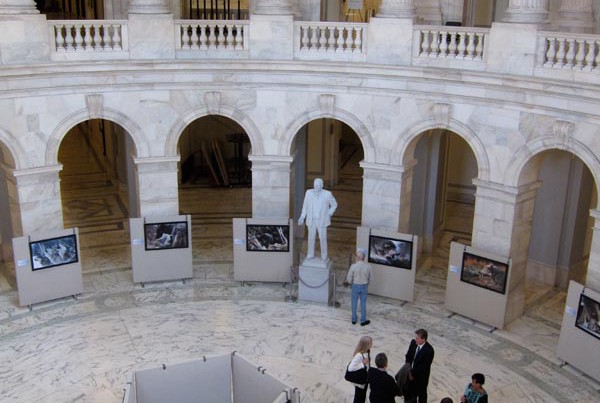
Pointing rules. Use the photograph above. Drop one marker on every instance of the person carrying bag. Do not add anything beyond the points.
(357, 370)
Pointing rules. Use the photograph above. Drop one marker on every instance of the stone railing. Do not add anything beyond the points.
(211, 35)
(83, 36)
(330, 40)
(450, 42)
(570, 51)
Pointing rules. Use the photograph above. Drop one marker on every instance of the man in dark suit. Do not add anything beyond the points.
(420, 356)
(383, 386)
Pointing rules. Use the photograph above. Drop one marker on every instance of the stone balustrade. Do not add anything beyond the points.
(88, 35)
(451, 42)
(318, 38)
(211, 35)
(571, 51)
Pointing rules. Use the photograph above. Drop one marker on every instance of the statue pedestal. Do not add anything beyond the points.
(316, 282)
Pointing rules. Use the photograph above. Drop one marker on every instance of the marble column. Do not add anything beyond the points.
(576, 16)
(593, 270)
(39, 199)
(397, 9)
(502, 225)
(273, 7)
(157, 186)
(270, 186)
(272, 30)
(429, 12)
(17, 7)
(386, 196)
(149, 7)
(150, 30)
(23, 33)
(527, 11)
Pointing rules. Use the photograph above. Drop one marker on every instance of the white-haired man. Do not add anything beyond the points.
(318, 207)
(359, 277)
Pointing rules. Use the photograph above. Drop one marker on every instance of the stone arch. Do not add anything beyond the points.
(61, 130)
(244, 121)
(408, 139)
(535, 147)
(285, 145)
(16, 152)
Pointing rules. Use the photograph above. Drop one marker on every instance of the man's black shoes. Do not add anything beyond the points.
(365, 323)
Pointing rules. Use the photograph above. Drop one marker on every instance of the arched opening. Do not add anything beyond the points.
(331, 150)
(560, 226)
(10, 224)
(98, 191)
(214, 184)
(442, 199)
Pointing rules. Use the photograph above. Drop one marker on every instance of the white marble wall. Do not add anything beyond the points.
(270, 186)
(157, 186)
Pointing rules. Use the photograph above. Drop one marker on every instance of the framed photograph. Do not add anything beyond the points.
(588, 316)
(390, 252)
(267, 238)
(53, 252)
(483, 272)
(166, 235)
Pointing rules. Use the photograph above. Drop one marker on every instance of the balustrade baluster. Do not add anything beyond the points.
(116, 38)
(551, 52)
(471, 45)
(435, 44)
(238, 36)
(220, 33)
(314, 39)
(194, 38)
(597, 59)
(481, 38)
(425, 43)
(560, 55)
(331, 41)
(184, 36)
(59, 40)
(202, 39)
(452, 46)
(580, 56)
(97, 37)
(570, 53)
(341, 43)
(78, 37)
(304, 42)
(322, 39)
(462, 46)
(212, 39)
(589, 56)
(358, 39)
(443, 44)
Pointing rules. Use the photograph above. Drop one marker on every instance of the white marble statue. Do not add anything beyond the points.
(318, 207)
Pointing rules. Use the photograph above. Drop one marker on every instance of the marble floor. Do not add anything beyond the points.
(83, 350)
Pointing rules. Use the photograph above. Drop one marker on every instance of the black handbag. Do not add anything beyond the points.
(360, 376)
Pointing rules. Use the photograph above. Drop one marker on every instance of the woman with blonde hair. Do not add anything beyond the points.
(360, 362)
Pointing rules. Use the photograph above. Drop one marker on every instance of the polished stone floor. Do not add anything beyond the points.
(83, 350)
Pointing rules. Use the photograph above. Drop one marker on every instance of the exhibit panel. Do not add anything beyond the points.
(476, 284)
(213, 379)
(263, 249)
(48, 266)
(579, 340)
(393, 260)
(161, 248)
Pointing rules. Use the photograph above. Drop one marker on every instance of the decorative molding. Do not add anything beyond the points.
(562, 130)
(156, 160)
(37, 171)
(441, 113)
(327, 103)
(95, 105)
(270, 158)
(213, 101)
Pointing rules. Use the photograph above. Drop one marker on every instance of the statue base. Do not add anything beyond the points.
(315, 280)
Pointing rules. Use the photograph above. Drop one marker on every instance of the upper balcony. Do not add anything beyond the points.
(151, 33)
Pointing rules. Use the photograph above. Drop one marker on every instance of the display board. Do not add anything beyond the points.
(48, 266)
(263, 249)
(477, 284)
(161, 248)
(579, 340)
(393, 260)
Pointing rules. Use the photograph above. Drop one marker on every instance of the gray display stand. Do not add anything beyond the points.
(469, 300)
(261, 265)
(315, 282)
(159, 264)
(575, 346)
(388, 281)
(50, 283)
(227, 378)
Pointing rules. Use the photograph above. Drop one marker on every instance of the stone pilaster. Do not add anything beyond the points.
(527, 11)
(593, 271)
(157, 186)
(270, 186)
(576, 16)
(502, 225)
(397, 9)
(39, 199)
(429, 11)
(385, 205)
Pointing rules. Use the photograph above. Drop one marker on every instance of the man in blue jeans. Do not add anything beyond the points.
(359, 276)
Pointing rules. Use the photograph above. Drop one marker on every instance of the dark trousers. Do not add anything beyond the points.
(421, 395)
(360, 395)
